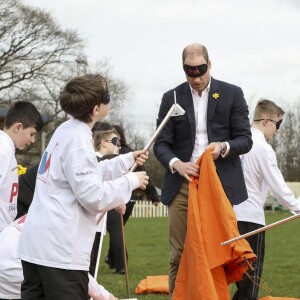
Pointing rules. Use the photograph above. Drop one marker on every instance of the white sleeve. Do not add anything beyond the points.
(274, 179)
(171, 163)
(5, 163)
(117, 166)
(97, 291)
(83, 175)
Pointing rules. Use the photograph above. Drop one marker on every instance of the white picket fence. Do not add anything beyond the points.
(145, 209)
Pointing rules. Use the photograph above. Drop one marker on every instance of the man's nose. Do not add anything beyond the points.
(197, 79)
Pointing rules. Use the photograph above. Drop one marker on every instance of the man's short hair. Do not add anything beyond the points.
(81, 94)
(195, 50)
(267, 107)
(26, 113)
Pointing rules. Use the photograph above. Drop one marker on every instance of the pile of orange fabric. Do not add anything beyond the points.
(153, 285)
(206, 267)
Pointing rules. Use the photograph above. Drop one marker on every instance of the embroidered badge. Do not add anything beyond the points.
(216, 96)
(21, 170)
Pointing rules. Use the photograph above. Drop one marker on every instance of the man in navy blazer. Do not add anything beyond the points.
(216, 114)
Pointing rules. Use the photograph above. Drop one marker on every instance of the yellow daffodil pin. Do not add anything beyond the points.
(216, 96)
(21, 170)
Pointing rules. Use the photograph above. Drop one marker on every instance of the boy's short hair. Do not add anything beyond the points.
(103, 135)
(81, 94)
(101, 126)
(267, 107)
(26, 113)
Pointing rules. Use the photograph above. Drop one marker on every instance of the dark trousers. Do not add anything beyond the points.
(247, 289)
(116, 252)
(94, 253)
(41, 283)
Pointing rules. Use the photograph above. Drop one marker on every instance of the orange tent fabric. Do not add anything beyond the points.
(277, 298)
(153, 284)
(206, 267)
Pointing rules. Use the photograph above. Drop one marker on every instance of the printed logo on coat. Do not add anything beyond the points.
(45, 165)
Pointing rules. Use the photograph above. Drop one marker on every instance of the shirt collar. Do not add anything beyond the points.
(9, 140)
(99, 154)
(258, 133)
(205, 90)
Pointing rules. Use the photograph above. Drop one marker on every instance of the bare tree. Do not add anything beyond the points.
(118, 91)
(36, 55)
(155, 169)
(287, 143)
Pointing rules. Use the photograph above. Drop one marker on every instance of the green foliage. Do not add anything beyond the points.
(148, 250)
(148, 254)
(282, 266)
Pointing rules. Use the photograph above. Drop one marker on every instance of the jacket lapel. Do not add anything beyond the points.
(189, 109)
(213, 99)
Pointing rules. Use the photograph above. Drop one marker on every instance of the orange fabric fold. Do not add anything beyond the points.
(206, 268)
(153, 284)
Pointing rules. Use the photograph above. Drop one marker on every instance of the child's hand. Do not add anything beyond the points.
(112, 297)
(140, 156)
(143, 178)
(121, 209)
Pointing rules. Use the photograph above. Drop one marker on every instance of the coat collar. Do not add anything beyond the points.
(212, 102)
(189, 109)
(211, 106)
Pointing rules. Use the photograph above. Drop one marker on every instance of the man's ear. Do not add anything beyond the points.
(265, 121)
(17, 127)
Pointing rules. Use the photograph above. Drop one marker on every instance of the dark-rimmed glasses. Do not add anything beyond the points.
(115, 141)
(277, 123)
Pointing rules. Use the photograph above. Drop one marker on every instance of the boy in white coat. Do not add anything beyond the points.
(261, 173)
(22, 122)
(11, 272)
(57, 238)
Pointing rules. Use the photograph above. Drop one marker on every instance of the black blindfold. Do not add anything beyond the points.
(195, 71)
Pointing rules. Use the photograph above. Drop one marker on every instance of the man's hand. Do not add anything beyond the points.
(140, 156)
(143, 178)
(186, 169)
(217, 147)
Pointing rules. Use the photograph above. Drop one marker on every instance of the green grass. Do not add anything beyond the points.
(147, 245)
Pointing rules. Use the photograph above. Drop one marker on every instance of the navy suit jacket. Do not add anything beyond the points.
(227, 121)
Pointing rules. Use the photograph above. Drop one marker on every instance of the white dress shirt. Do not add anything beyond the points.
(200, 108)
(261, 173)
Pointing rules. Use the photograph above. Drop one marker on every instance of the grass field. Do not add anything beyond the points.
(147, 245)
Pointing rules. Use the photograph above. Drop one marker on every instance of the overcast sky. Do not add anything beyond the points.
(254, 44)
